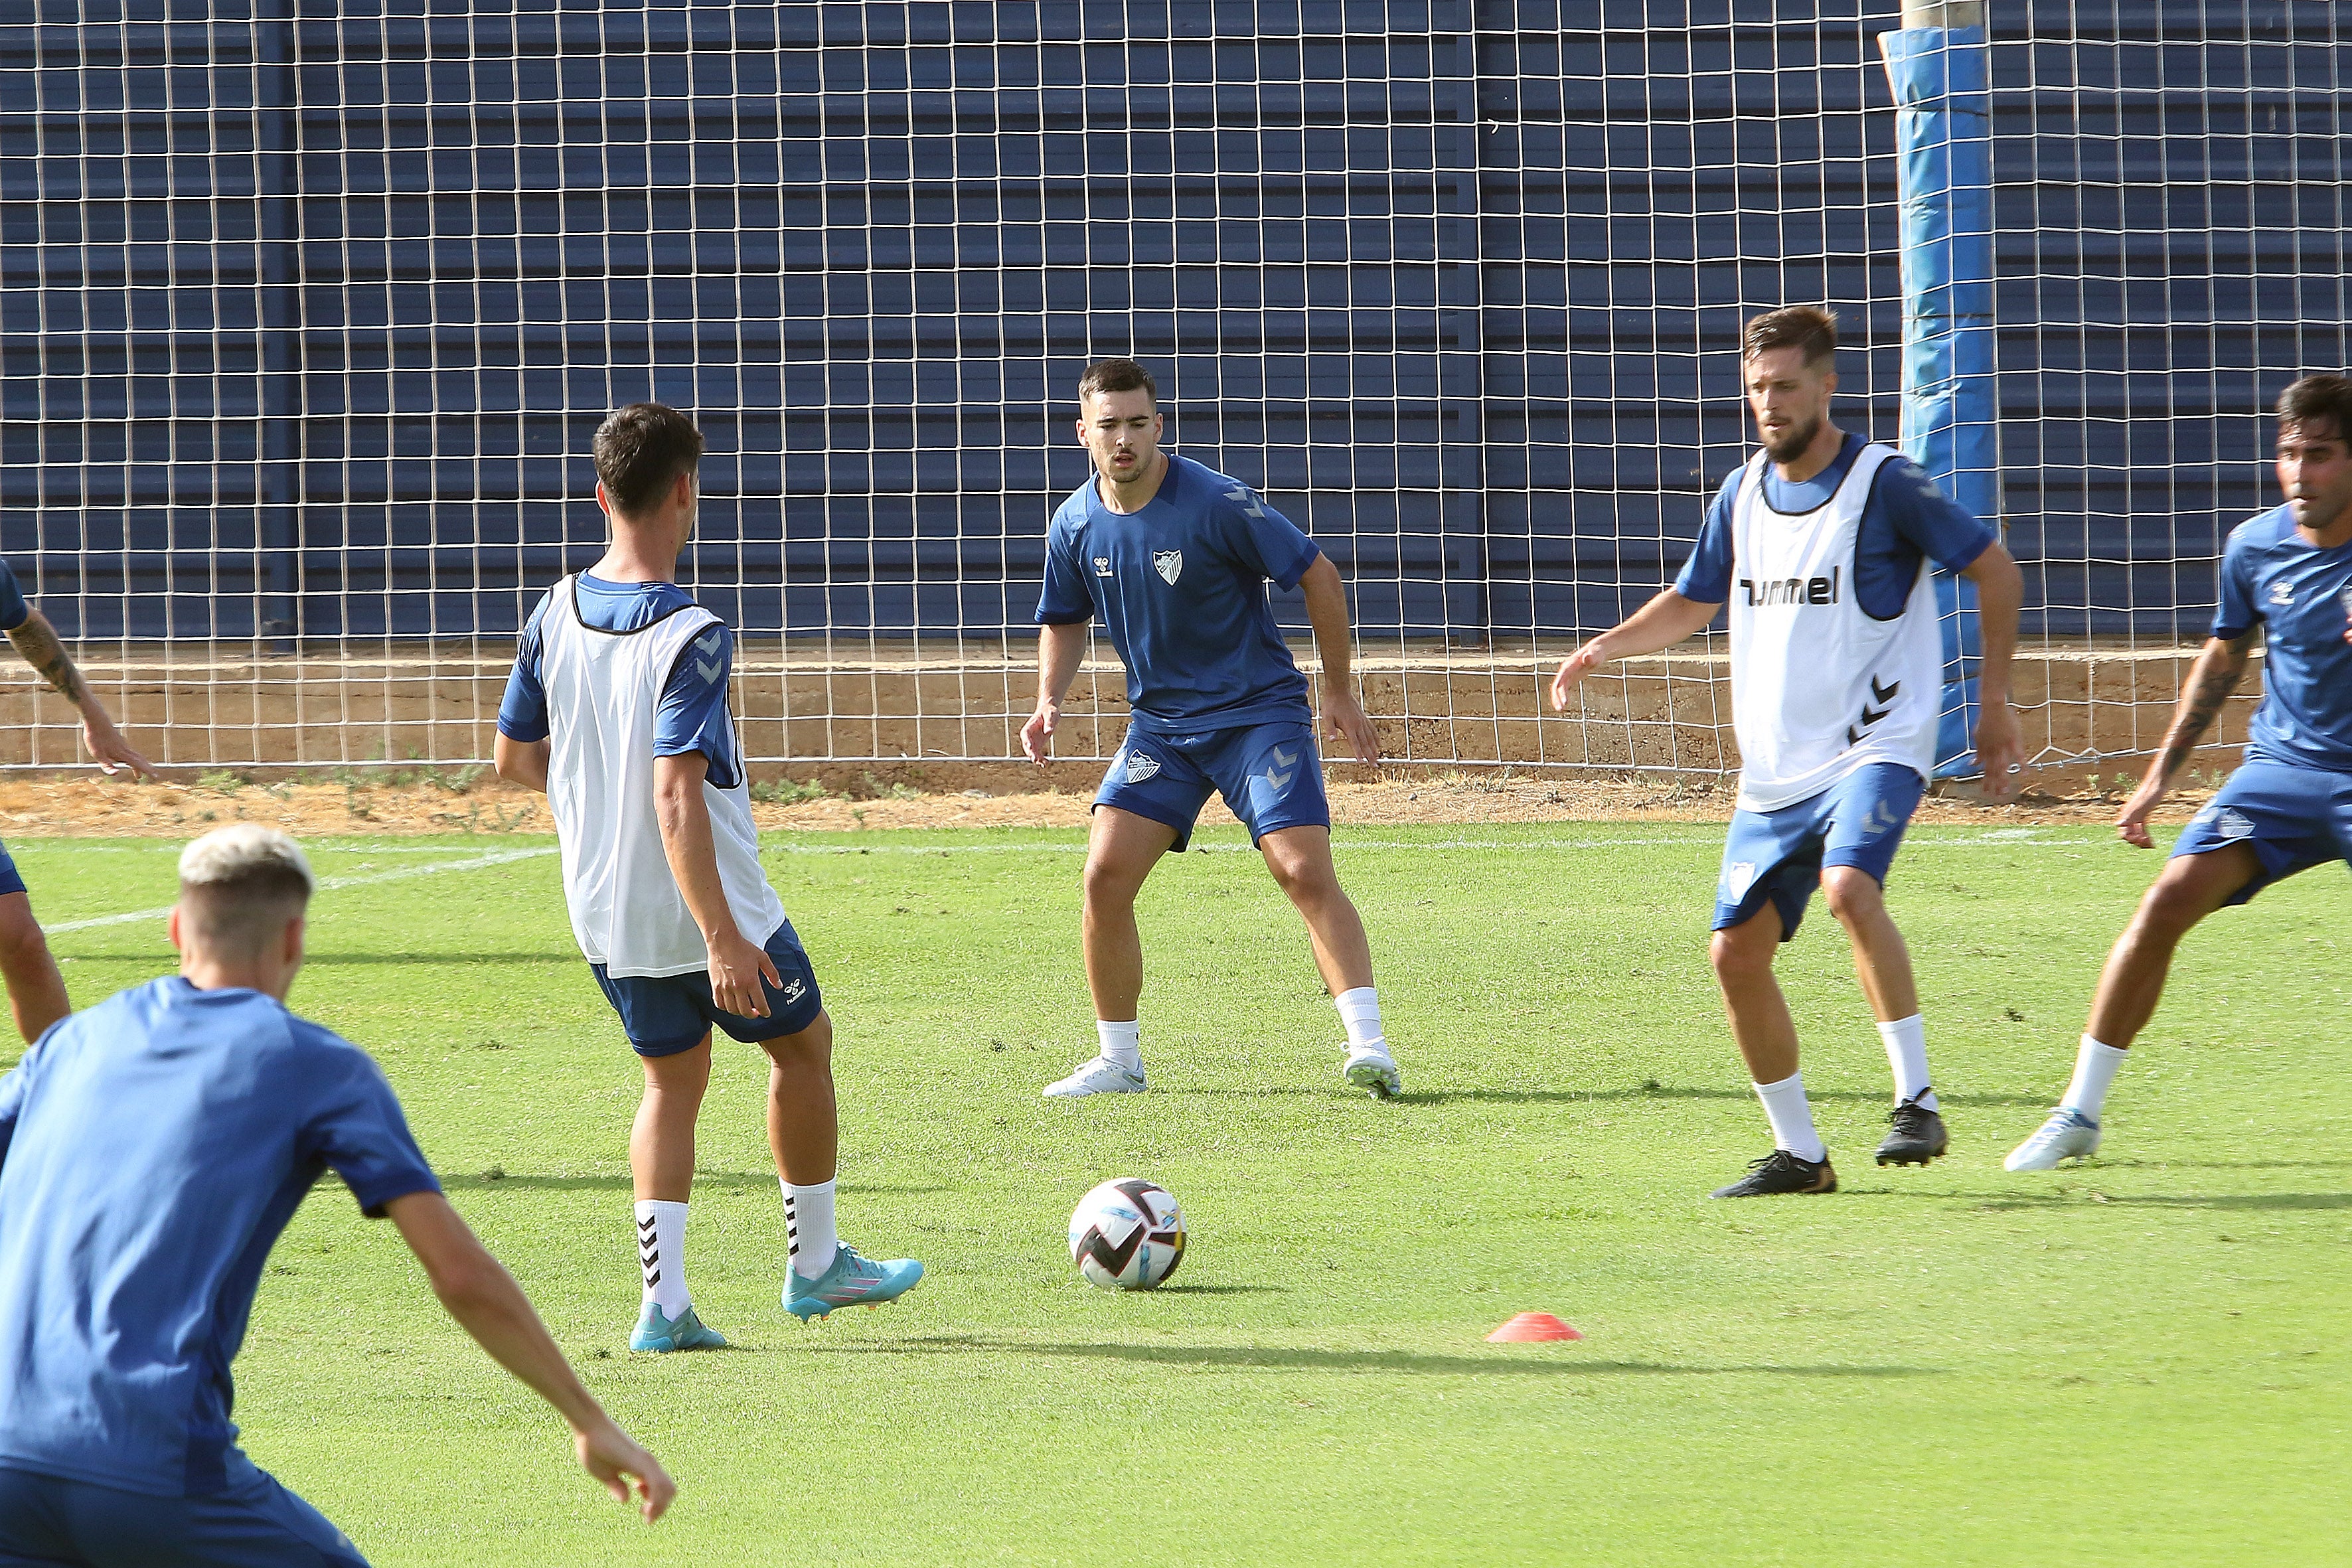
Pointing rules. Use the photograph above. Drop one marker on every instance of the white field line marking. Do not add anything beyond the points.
(502, 858)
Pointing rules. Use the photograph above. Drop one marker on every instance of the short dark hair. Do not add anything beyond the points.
(640, 449)
(2328, 397)
(1806, 327)
(1116, 375)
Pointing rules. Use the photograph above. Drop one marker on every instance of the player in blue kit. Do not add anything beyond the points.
(151, 1148)
(1174, 558)
(2289, 807)
(1821, 544)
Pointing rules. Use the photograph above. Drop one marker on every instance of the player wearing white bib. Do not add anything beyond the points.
(617, 709)
(1821, 545)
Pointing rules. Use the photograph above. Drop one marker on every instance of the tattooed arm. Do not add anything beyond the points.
(37, 641)
(2220, 665)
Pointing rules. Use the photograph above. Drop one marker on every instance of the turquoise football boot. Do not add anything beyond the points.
(684, 1332)
(850, 1280)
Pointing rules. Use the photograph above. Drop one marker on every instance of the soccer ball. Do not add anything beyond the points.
(1127, 1235)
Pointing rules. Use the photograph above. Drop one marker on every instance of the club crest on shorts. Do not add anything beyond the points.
(2233, 823)
(1141, 766)
(1168, 563)
(1739, 877)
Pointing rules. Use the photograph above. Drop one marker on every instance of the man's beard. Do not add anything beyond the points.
(1792, 446)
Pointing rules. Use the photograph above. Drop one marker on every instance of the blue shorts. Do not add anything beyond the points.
(1779, 855)
(2291, 818)
(664, 1014)
(1270, 775)
(10, 880)
(45, 1522)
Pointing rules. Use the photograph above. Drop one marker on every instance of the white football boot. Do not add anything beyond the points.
(2067, 1135)
(1100, 1076)
(1371, 1068)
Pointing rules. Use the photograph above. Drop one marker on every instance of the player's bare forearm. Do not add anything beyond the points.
(685, 818)
(37, 641)
(486, 1301)
(1326, 612)
(476, 1291)
(523, 762)
(2221, 666)
(2001, 594)
(1060, 648)
(1665, 621)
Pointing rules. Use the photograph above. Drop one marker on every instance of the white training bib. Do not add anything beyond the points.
(1818, 686)
(604, 692)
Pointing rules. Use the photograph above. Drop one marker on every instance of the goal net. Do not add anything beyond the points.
(307, 319)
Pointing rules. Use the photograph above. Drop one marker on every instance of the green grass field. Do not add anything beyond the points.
(2141, 1361)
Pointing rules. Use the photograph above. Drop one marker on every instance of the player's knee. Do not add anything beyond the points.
(1740, 953)
(1108, 882)
(1851, 893)
(811, 1048)
(2172, 906)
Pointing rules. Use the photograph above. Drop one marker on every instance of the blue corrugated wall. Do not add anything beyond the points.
(307, 312)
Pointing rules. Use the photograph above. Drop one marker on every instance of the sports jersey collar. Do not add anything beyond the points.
(1167, 481)
(1826, 482)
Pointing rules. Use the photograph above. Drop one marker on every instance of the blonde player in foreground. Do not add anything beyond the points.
(151, 1148)
(1821, 543)
(617, 709)
(2289, 807)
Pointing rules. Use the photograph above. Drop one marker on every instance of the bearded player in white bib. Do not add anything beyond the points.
(617, 709)
(1821, 545)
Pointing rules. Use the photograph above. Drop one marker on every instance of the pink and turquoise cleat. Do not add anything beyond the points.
(850, 1280)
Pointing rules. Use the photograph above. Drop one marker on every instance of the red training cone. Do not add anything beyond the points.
(1532, 1326)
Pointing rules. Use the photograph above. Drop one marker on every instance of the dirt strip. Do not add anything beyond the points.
(425, 801)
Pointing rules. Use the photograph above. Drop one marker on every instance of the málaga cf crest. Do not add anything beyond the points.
(1168, 563)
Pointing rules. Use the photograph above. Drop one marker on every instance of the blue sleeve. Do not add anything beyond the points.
(693, 714)
(1929, 522)
(14, 611)
(2238, 609)
(522, 712)
(1263, 538)
(1706, 577)
(1064, 600)
(359, 1130)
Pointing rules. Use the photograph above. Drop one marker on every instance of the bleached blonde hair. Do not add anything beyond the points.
(238, 887)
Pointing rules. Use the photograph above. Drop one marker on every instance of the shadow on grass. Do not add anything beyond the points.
(704, 1181)
(1276, 1358)
(1595, 1096)
(1222, 1291)
(2170, 1201)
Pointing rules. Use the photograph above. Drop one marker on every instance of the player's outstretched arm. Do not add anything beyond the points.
(37, 641)
(737, 963)
(2000, 592)
(2221, 665)
(1060, 647)
(1662, 623)
(483, 1296)
(1326, 612)
(523, 761)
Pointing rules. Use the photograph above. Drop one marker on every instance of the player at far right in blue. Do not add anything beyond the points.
(2289, 807)
(1174, 558)
(1821, 544)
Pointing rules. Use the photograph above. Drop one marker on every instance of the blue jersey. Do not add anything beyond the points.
(1181, 587)
(2303, 598)
(14, 611)
(693, 714)
(1906, 520)
(151, 1148)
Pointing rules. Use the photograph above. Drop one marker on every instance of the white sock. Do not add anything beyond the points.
(2094, 1069)
(809, 1236)
(661, 1251)
(1360, 1010)
(1122, 1043)
(1792, 1118)
(1906, 1053)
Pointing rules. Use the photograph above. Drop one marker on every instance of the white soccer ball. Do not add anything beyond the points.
(1127, 1234)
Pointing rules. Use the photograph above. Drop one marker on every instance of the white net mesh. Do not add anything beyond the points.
(307, 319)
